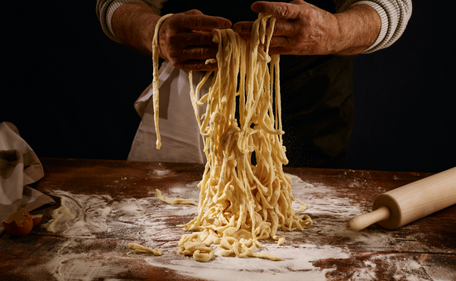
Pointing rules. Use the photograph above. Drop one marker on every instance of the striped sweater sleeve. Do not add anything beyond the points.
(394, 15)
(106, 8)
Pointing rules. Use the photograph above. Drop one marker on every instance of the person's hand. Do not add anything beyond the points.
(300, 28)
(185, 39)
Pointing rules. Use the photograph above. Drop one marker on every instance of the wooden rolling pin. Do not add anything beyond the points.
(410, 202)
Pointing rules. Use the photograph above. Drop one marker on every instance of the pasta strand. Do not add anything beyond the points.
(241, 202)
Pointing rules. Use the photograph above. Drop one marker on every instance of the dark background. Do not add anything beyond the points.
(70, 90)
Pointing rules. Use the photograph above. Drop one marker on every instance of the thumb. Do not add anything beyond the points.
(193, 12)
(278, 9)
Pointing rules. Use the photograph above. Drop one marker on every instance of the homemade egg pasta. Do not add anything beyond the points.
(141, 249)
(241, 203)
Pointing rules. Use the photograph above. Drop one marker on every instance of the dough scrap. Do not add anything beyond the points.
(141, 249)
(175, 201)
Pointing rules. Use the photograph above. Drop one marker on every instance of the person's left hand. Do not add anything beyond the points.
(185, 40)
(300, 28)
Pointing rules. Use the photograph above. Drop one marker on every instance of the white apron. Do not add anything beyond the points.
(180, 136)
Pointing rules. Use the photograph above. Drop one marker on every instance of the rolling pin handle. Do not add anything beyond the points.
(362, 221)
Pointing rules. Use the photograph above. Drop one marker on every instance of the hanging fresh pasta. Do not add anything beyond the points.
(240, 202)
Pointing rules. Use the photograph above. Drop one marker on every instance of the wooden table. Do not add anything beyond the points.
(113, 203)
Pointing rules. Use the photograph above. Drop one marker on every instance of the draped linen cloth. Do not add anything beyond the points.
(19, 167)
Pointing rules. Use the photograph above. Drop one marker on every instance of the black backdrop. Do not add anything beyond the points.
(70, 90)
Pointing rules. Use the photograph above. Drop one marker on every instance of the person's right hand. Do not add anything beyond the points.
(185, 39)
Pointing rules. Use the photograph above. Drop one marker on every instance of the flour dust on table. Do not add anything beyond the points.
(92, 225)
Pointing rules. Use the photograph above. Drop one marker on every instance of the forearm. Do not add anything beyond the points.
(359, 27)
(134, 24)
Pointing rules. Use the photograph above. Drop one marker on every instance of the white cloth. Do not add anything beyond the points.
(19, 166)
(179, 130)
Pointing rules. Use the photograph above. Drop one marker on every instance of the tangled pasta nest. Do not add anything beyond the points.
(240, 202)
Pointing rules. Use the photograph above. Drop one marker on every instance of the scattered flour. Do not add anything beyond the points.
(159, 173)
(146, 221)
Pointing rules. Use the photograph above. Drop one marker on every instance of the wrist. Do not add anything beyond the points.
(358, 28)
(133, 24)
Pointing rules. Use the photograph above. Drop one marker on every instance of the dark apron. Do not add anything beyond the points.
(317, 92)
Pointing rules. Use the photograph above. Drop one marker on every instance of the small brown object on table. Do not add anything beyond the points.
(113, 203)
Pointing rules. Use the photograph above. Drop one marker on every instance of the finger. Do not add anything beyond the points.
(246, 37)
(281, 28)
(193, 12)
(243, 27)
(309, 48)
(278, 9)
(196, 65)
(202, 22)
(279, 42)
(284, 28)
(195, 53)
(200, 53)
(192, 39)
(278, 51)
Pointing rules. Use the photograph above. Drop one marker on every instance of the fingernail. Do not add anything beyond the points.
(254, 7)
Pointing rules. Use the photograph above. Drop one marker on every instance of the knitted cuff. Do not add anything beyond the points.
(106, 11)
(383, 29)
(394, 16)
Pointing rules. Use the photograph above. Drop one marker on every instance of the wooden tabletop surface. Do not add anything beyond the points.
(112, 203)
